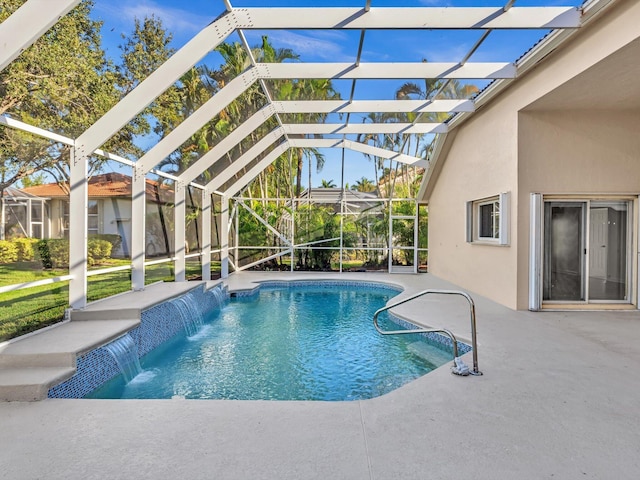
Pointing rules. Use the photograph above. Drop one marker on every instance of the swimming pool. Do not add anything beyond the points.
(312, 342)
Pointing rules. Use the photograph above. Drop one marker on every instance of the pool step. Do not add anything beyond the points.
(429, 353)
(36, 362)
(31, 384)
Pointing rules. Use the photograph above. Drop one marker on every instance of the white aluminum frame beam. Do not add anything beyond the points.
(311, 106)
(25, 127)
(408, 18)
(259, 167)
(264, 222)
(245, 159)
(379, 106)
(315, 143)
(357, 147)
(27, 24)
(362, 128)
(197, 120)
(226, 144)
(237, 86)
(401, 71)
(156, 83)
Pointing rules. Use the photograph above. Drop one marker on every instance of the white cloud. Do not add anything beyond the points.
(436, 3)
(175, 20)
(316, 47)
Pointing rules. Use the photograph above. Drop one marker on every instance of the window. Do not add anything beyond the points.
(65, 220)
(487, 220)
(92, 216)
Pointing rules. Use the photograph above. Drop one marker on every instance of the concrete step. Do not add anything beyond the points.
(59, 346)
(31, 384)
(108, 314)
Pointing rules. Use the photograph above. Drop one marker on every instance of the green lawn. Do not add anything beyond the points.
(24, 311)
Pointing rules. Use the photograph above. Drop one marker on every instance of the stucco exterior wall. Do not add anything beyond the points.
(491, 153)
(482, 163)
(574, 152)
(116, 219)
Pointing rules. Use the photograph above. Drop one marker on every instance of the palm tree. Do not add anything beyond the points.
(364, 185)
(328, 184)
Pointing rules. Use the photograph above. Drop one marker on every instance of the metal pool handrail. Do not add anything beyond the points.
(472, 310)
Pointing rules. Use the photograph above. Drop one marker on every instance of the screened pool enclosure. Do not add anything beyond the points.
(221, 210)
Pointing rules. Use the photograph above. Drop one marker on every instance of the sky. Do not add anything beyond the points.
(184, 19)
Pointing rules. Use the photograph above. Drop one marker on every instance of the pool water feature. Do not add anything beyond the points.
(189, 312)
(125, 353)
(315, 342)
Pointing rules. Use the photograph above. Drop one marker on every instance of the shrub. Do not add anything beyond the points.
(8, 252)
(59, 252)
(114, 239)
(97, 250)
(25, 248)
(42, 253)
(53, 252)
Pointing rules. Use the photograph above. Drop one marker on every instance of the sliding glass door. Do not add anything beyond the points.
(586, 251)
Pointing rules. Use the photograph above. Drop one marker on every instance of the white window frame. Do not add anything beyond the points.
(93, 230)
(501, 220)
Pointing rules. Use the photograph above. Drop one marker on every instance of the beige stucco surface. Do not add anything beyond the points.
(568, 126)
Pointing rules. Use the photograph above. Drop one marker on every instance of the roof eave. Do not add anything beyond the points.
(555, 39)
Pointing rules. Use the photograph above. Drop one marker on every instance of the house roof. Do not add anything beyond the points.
(106, 185)
(11, 193)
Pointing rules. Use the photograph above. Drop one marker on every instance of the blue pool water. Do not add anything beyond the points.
(298, 343)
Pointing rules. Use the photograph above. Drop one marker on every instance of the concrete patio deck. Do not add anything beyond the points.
(559, 399)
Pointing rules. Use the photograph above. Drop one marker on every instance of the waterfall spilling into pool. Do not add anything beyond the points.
(219, 295)
(125, 353)
(189, 313)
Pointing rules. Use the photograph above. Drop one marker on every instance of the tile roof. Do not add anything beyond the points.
(106, 185)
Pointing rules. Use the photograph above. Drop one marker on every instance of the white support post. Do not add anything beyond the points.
(224, 237)
(236, 240)
(180, 217)
(206, 235)
(415, 239)
(390, 241)
(78, 205)
(138, 228)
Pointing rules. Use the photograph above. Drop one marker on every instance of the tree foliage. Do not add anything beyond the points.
(64, 82)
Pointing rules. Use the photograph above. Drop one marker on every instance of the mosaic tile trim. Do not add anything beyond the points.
(157, 325)
(93, 369)
(314, 283)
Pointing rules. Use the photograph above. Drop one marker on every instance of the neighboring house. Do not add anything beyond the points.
(109, 211)
(355, 202)
(22, 215)
(534, 199)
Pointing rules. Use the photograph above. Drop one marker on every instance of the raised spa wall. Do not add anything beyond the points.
(157, 325)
